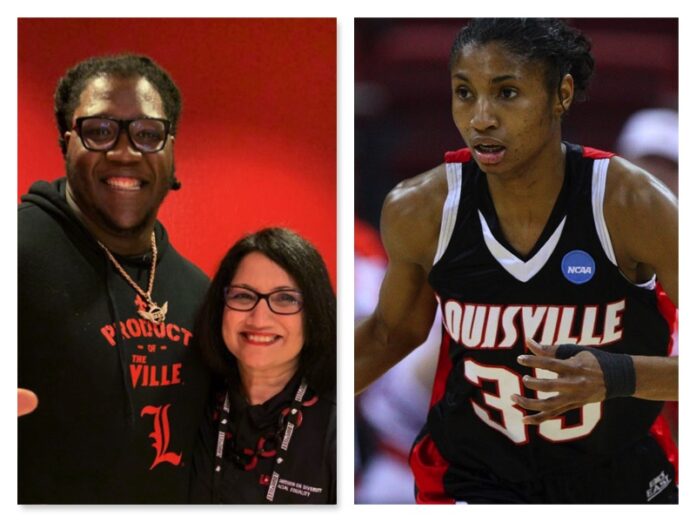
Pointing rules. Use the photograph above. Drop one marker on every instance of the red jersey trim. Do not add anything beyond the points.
(660, 429)
(458, 156)
(444, 367)
(429, 468)
(663, 436)
(589, 152)
(427, 464)
(669, 312)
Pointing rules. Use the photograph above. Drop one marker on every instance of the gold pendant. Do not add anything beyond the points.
(155, 314)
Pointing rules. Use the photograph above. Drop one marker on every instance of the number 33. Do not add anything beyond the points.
(509, 383)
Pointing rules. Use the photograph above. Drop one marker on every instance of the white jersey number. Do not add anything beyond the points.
(509, 418)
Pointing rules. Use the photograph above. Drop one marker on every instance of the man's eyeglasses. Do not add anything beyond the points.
(100, 134)
(282, 302)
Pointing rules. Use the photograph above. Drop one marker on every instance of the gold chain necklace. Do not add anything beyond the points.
(154, 313)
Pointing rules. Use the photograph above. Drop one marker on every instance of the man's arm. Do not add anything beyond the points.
(406, 308)
(642, 219)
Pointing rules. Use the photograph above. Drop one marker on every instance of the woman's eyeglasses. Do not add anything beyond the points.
(282, 302)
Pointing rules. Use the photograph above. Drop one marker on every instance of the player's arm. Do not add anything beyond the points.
(406, 307)
(641, 216)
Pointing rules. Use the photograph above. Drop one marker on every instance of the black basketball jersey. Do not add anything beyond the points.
(568, 289)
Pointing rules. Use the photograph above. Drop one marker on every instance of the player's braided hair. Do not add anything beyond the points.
(70, 86)
(564, 49)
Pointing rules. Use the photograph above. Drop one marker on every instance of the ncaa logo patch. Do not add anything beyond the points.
(578, 267)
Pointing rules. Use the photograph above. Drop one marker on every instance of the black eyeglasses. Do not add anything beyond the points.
(100, 134)
(282, 302)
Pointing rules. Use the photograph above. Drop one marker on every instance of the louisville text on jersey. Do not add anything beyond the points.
(486, 326)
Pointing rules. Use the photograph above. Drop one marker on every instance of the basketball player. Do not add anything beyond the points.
(543, 257)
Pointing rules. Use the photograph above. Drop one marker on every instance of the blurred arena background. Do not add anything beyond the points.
(403, 127)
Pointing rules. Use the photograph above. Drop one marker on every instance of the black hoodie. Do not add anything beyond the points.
(120, 399)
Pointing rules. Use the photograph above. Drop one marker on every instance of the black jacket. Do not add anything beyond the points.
(307, 474)
(120, 400)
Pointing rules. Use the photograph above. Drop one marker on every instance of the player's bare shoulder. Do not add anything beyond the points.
(629, 185)
(640, 212)
(411, 217)
(633, 194)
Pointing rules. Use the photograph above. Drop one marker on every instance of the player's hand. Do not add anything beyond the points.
(27, 401)
(580, 381)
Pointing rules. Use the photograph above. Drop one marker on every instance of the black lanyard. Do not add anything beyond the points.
(291, 422)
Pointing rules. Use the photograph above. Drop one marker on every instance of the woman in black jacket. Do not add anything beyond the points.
(268, 329)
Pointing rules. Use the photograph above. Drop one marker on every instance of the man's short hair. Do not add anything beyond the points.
(71, 85)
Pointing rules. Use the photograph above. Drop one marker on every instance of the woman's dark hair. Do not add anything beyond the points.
(563, 49)
(71, 85)
(304, 264)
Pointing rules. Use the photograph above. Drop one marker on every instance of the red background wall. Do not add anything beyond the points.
(256, 144)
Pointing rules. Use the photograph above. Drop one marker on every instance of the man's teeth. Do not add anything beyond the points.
(124, 183)
(261, 338)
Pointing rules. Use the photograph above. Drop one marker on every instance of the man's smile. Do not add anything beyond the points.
(124, 183)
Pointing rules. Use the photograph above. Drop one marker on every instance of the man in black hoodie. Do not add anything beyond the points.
(106, 304)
